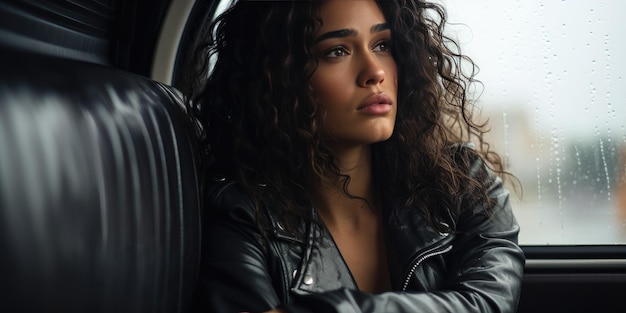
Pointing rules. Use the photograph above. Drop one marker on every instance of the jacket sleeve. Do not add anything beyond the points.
(234, 273)
(485, 271)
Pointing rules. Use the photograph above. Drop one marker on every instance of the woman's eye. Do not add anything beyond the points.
(382, 46)
(336, 53)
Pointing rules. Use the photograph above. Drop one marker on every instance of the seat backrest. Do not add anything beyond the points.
(99, 201)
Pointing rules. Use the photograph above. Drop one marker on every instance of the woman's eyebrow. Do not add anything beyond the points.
(379, 27)
(342, 33)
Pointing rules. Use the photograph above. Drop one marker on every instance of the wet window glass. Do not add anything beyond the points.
(554, 91)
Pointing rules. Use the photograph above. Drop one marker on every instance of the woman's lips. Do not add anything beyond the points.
(376, 104)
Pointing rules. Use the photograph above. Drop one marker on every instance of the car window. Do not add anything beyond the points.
(553, 87)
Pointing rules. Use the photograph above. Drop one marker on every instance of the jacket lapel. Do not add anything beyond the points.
(323, 268)
(314, 261)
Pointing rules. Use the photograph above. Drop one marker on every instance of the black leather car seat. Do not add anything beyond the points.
(99, 202)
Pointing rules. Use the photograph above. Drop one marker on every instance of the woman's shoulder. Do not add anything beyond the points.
(469, 160)
(488, 181)
(224, 197)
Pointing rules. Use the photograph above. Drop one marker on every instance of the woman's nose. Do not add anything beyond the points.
(371, 72)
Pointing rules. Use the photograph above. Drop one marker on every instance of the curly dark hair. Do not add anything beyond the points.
(262, 122)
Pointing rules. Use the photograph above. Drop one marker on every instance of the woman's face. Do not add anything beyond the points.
(356, 79)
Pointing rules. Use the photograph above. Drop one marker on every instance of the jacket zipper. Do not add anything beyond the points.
(422, 259)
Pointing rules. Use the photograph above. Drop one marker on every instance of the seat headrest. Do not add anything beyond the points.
(99, 201)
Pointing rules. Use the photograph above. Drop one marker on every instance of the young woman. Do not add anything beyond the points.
(340, 173)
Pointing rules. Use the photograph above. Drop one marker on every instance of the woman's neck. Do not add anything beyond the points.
(331, 201)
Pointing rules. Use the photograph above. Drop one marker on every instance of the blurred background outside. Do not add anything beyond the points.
(555, 94)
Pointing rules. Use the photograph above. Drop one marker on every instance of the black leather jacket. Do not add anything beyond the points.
(477, 267)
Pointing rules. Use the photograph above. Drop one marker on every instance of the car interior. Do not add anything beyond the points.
(100, 201)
